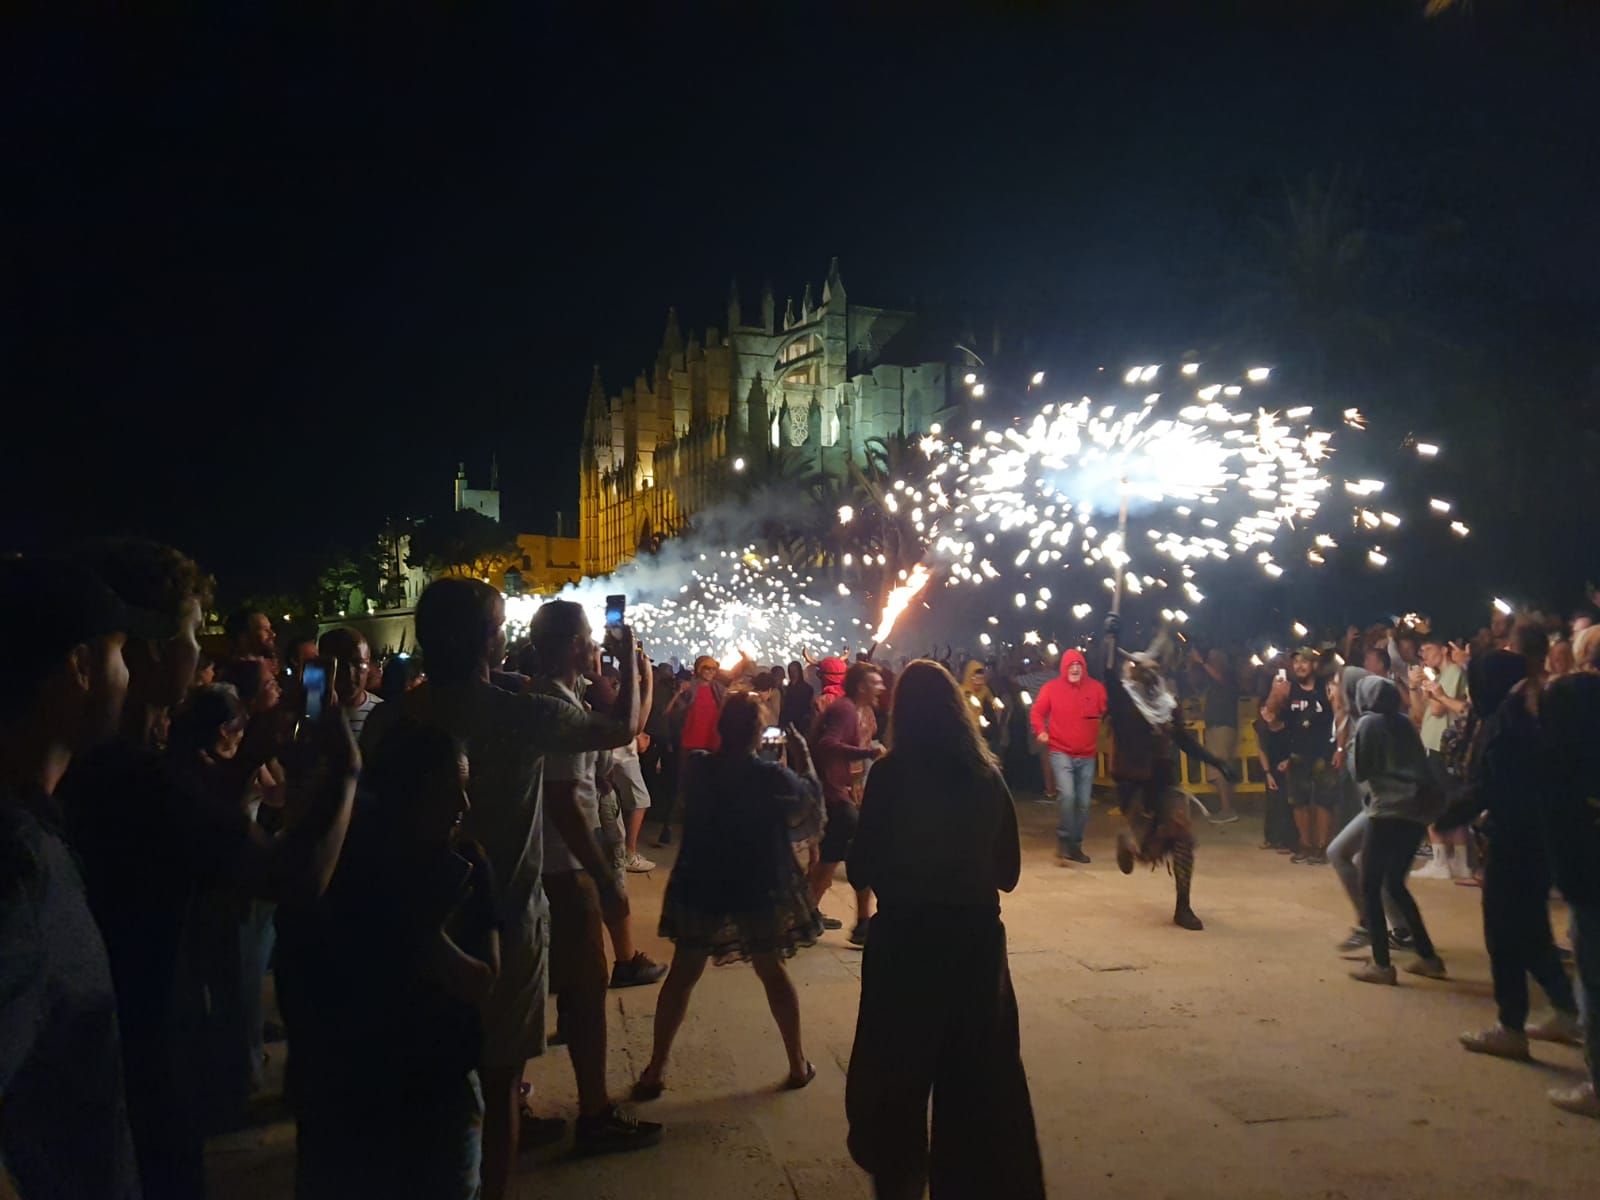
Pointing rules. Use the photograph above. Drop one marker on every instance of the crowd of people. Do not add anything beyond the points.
(423, 849)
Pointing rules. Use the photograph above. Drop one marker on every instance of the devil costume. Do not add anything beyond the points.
(1145, 728)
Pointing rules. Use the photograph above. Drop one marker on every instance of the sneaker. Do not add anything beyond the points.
(1436, 869)
(1458, 868)
(1076, 854)
(1299, 856)
(1317, 860)
(1498, 1041)
(830, 922)
(638, 864)
(1359, 939)
(1124, 854)
(1373, 973)
(1581, 1100)
(1558, 1027)
(613, 1132)
(858, 935)
(639, 971)
(1429, 968)
(1401, 939)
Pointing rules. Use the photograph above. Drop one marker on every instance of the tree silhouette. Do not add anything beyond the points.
(463, 542)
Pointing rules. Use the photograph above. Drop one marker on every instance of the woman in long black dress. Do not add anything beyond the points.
(737, 892)
(938, 843)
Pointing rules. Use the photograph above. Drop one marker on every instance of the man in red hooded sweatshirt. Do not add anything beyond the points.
(1066, 718)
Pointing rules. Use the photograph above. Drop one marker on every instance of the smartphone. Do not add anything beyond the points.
(315, 680)
(1430, 674)
(616, 608)
(1283, 675)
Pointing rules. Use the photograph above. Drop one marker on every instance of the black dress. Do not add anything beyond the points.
(737, 889)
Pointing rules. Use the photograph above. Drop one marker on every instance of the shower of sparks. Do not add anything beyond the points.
(733, 603)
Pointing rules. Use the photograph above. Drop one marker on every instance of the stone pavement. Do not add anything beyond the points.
(1239, 1062)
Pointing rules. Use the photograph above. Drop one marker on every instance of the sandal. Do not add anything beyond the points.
(792, 1084)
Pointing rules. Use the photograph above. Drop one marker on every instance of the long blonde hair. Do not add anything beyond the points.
(930, 721)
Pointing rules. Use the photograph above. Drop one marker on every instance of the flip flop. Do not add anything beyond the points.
(794, 1085)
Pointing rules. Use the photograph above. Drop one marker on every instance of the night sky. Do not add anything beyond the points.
(267, 279)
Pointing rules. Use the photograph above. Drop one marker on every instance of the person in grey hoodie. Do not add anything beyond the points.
(1387, 757)
(1344, 852)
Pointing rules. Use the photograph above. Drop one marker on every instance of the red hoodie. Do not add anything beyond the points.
(1070, 712)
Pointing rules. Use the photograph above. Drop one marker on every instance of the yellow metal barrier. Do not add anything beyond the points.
(1194, 778)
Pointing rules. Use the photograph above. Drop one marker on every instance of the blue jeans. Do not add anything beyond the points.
(1586, 952)
(1074, 790)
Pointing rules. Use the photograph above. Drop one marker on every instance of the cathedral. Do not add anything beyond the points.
(815, 384)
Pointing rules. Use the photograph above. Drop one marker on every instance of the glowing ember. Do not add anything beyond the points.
(899, 597)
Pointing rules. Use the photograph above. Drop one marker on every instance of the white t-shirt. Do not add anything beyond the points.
(578, 769)
(1452, 684)
(358, 715)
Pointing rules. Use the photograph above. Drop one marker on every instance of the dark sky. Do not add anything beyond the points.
(266, 279)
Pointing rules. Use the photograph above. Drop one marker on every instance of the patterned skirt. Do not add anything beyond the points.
(1158, 818)
(783, 924)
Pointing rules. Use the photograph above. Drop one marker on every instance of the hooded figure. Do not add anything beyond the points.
(830, 672)
(1068, 709)
(1388, 756)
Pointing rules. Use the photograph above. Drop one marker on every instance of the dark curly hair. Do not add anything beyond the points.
(147, 575)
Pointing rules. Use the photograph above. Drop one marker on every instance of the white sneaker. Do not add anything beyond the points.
(1434, 870)
(1459, 867)
(638, 864)
(1498, 1041)
(1558, 1027)
(1581, 1100)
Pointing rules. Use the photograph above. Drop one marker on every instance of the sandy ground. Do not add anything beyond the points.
(1239, 1062)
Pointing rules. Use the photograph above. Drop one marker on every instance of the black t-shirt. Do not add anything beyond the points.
(364, 1020)
(1308, 719)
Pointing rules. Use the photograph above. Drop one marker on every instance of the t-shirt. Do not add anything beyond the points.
(1308, 718)
(838, 745)
(1453, 684)
(577, 768)
(700, 723)
(506, 737)
(65, 1126)
(151, 843)
(357, 716)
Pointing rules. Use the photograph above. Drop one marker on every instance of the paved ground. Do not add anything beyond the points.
(1239, 1062)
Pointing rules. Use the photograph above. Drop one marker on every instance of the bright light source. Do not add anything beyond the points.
(738, 464)
(1299, 630)
(936, 428)
(1439, 506)
(969, 378)
(846, 514)
(1377, 558)
(1502, 607)
(1038, 378)
(1149, 373)
(1459, 528)
(1427, 449)
(1191, 368)
(1258, 374)
(978, 390)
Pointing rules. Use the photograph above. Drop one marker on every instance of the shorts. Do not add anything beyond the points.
(628, 779)
(577, 937)
(1313, 781)
(839, 832)
(1223, 741)
(611, 837)
(513, 1013)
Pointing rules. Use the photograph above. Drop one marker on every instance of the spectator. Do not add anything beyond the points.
(1387, 756)
(401, 673)
(694, 715)
(150, 841)
(1439, 697)
(842, 739)
(250, 635)
(346, 653)
(381, 985)
(625, 775)
(1221, 714)
(1066, 718)
(461, 628)
(1272, 751)
(585, 892)
(1516, 873)
(769, 699)
(205, 671)
(1313, 782)
(736, 893)
(1570, 778)
(797, 700)
(938, 843)
(64, 1125)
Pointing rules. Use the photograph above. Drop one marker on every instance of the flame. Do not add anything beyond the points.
(899, 597)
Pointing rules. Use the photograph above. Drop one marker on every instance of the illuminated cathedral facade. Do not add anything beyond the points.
(814, 384)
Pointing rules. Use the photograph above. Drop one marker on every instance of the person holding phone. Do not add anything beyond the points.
(737, 893)
(345, 654)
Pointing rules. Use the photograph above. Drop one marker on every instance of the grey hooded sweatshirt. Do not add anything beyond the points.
(1388, 757)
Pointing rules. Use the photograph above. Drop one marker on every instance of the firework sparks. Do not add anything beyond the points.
(899, 598)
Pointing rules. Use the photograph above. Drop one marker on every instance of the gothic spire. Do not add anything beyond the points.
(833, 287)
(671, 341)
